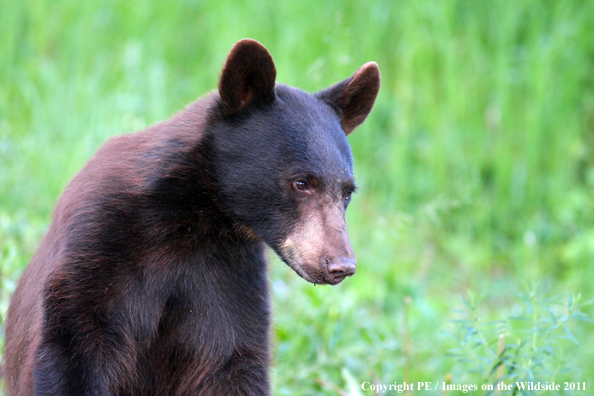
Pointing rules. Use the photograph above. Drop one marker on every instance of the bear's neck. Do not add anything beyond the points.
(185, 200)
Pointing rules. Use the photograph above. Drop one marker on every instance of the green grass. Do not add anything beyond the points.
(476, 165)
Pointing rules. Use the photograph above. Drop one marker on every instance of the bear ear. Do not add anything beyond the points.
(248, 76)
(354, 97)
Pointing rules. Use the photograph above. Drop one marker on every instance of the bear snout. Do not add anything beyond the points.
(319, 248)
(339, 268)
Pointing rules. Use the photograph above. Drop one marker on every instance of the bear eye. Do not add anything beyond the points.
(300, 185)
(348, 193)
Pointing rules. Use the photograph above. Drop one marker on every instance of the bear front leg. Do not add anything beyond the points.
(59, 372)
(84, 364)
(91, 338)
(244, 374)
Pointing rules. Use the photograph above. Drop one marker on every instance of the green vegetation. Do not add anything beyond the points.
(476, 166)
(536, 358)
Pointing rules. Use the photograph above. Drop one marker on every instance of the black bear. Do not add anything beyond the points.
(152, 278)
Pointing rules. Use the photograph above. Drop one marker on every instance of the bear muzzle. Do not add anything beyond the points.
(319, 249)
(339, 268)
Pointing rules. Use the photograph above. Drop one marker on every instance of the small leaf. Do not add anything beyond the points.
(466, 304)
(569, 335)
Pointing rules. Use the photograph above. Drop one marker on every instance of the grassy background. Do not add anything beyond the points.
(476, 165)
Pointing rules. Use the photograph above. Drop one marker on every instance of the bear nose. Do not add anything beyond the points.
(339, 268)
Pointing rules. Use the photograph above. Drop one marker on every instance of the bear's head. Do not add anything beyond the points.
(283, 162)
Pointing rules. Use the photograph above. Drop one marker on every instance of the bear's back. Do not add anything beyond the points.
(124, 166)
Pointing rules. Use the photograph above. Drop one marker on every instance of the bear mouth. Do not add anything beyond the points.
(311, 264)
(316, 274)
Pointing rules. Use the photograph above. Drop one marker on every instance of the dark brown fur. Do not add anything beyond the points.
(151, 279)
